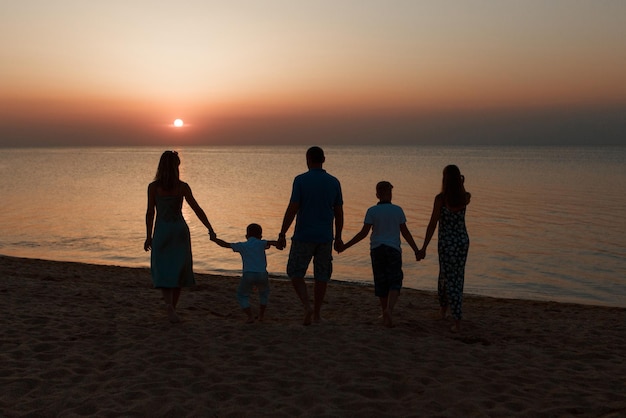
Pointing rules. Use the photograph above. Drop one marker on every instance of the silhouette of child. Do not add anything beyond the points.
(388, 222)
(254, 272)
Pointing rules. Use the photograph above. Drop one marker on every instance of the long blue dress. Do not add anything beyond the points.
(171, 261)
(453, 246)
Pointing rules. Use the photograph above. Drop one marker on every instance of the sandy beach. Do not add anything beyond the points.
(87, 340)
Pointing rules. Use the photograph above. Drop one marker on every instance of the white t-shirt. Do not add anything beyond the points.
(252, 254)
(385, 219)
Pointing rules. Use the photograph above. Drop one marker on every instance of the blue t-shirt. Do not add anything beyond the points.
(318, 193)
(252, 254)
(385, 219)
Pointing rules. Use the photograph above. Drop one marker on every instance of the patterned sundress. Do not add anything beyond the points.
(453, 245)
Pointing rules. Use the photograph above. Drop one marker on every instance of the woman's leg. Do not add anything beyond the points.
(455, 281)
(168, 297)
(442, 292)
(175, 296)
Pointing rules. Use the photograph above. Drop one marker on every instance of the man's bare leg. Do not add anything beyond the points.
(383, 306)
(320, 293)
(299, 286)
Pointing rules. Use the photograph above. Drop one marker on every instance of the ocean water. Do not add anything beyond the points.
(545, 223)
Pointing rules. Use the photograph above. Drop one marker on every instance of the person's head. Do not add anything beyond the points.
(315, 157)
(167, 175)
(383, 191)
(254, 230)
(452, 186)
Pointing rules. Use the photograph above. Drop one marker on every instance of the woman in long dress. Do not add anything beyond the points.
(453, 242)
(171, 262)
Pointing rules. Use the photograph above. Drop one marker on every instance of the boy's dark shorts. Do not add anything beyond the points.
(387, 269)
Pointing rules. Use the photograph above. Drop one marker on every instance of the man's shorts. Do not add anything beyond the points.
(300, 256)
(387, 269)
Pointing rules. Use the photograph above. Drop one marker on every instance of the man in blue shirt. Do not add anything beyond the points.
(316, 201)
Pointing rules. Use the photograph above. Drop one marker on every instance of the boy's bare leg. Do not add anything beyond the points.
(299, 286)
(392, 298)
(248, 311)
(320, 293)
(262, 312)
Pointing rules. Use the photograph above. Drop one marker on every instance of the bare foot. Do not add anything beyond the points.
(443, 312)
(318, 320)
(171, 314)
(307, 316)
(250, 320)
(387, 319)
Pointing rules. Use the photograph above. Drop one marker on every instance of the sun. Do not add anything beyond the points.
(178, 123)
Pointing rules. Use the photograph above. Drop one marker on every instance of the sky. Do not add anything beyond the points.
(539, 72)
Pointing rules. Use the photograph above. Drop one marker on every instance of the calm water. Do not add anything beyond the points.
(544, 223)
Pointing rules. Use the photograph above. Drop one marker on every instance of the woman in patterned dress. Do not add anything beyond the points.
(171, 263)
(453, 242)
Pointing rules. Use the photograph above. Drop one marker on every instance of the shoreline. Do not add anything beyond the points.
(367, 283)
(85, 339)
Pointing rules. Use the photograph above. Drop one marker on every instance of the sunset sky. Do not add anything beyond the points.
(120, 72)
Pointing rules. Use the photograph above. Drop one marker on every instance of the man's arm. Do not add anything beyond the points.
(338, 227)
(290, 215)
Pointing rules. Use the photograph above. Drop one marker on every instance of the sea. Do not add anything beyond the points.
(545, 223)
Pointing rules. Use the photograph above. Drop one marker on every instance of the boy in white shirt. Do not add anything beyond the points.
(387, 222)
(254, 269)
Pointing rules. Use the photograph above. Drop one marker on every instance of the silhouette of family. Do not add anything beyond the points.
(316, 206)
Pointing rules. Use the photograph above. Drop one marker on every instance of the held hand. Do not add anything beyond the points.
(147, 245)
(281, 242)
(420, 255)
(339, 246)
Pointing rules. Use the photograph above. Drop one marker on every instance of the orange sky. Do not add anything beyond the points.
(348, 71)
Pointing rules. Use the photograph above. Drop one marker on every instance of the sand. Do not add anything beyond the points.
(86, 340)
